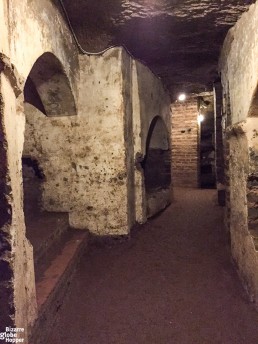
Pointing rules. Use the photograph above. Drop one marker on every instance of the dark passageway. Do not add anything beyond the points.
(125, 127)
(173, 282)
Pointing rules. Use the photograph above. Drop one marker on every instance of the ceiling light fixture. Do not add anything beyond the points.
(181, 97)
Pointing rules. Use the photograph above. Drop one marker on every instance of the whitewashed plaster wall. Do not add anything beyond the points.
(88, 159)
(239, 64)
(83, 157)
(239, 77)
(33, 28)
(150, 99)
(28, 29)
(90, 167)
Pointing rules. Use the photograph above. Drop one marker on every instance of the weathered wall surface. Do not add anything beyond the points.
(18, 304)
(90, 167)
(185, 141)
(153, 100)
(4, 27)
(83, 157)
(219, 142)
(242, 201)
(239, 75)
(36, 27)
(50, 141)
(28, 29)
(149, 100)
(88, 158)
(127, 90)
(102, 178)
(239, 64)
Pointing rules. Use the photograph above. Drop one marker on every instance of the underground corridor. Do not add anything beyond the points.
(129, 172)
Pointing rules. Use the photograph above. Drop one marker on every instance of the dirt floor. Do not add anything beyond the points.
(172, 283)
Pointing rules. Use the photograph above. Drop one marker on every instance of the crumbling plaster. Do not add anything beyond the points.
(88, 159)
(239, 72)
(35, 28)
(242, 140)
(85, 169)
(150, 99)
(18, 253)
(27, 31)
(239, 64)
(90, 170)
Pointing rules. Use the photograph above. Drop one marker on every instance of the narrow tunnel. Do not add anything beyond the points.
(129, 172)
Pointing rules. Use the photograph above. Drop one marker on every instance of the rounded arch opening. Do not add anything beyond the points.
(47, 94)
(157, 167)
(253, 111)
(251, 165)
(48, 88)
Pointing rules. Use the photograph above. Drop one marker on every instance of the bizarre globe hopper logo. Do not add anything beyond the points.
(12, 335)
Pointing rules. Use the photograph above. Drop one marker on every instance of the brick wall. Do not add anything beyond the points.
(185, 142)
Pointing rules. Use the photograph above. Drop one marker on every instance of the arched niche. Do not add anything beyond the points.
(48, 88)
(47, 94)
(253, 111)
(157, 167)
(252, 181)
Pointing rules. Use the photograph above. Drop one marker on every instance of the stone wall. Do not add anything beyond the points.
(99, 175)
(28, 29)
(36, 27)
(17, 286)
(185, 142)
(150, 100)
(239, 75)
(242, 202)
(88, 152)
(239, 64)
(219, 142)
(90, 170)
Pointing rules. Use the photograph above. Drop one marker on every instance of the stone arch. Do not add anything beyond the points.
(157, 166)
(157, 134)
(253, 111)
(252, 180)
(48, 88)
(157, 159)
(48, 101)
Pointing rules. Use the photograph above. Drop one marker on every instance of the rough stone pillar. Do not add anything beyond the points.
(17, 282)
(219, 151)
(6, 265)
(139, 150)
(104, 123)
(252, 179)
(226, 123)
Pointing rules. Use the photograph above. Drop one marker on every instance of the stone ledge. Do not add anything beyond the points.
(12, 74)
(53, 287)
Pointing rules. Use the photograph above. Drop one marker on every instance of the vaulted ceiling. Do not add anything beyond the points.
(179, 40)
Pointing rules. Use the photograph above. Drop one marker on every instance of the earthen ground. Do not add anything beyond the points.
(172, 283)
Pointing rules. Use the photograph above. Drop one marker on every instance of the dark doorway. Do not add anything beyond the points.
(47, 94)
(207, 144)
(157, 165)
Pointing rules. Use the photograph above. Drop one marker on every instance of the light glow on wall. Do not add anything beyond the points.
(200, 118)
